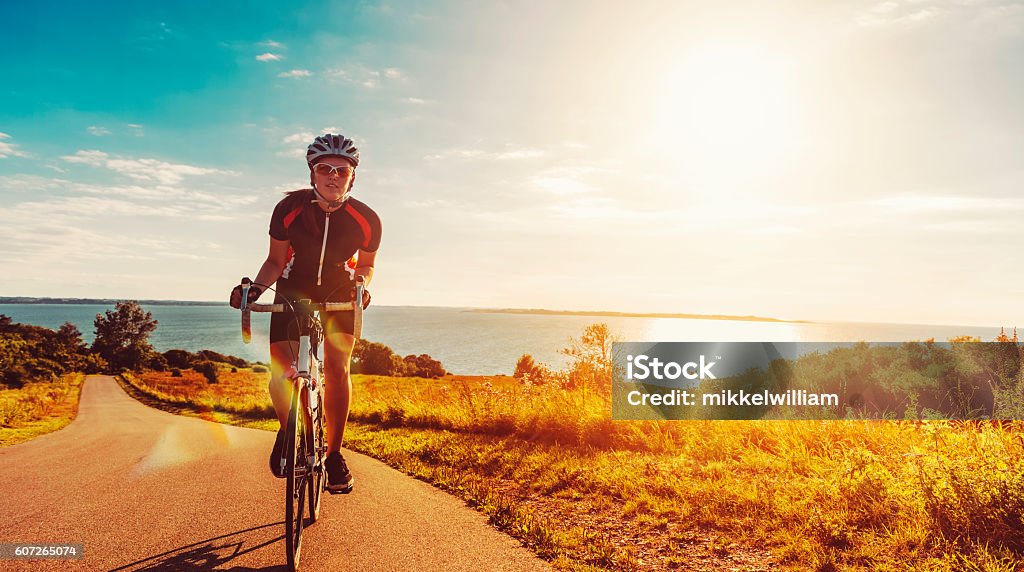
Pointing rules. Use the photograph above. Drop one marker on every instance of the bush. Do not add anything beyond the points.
(175, 372)
(374, 358)
(210, 355)
(422, 366)
(209, 370)
(259, 369)
(378, 359)
(157, 362)
(183, 360)
(180, 359)
(33, 353)
(529, 372)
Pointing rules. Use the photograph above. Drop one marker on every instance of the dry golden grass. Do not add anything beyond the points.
(549, 466)
(38, 408)
(242, 392)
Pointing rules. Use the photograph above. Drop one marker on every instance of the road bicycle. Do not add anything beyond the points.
(305, 449)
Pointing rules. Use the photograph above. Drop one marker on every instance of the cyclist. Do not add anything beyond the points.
(321, 239)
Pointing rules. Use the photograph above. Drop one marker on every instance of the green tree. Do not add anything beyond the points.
(122, 336)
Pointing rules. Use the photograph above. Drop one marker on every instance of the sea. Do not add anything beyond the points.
(470, 341)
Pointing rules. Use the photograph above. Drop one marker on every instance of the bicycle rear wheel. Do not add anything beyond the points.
(318, 479)
(295, 488)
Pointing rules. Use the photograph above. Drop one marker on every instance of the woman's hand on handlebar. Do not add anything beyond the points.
(366, 297)
(236, 295)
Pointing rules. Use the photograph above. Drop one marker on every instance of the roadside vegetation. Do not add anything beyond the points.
(37, 408)
(538, 453)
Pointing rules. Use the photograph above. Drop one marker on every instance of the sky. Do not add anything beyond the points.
(834, 161)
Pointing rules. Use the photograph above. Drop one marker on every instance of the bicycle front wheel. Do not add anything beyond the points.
(317, 480)
(295, 488)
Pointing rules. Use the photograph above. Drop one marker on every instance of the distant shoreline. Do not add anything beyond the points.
(102, 301)
(542, 312)
(28, 300)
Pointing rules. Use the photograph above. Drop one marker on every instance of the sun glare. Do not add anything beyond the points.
(732, 110)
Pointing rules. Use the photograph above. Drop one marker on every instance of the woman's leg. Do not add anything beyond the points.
(337, 386)
(281, 358)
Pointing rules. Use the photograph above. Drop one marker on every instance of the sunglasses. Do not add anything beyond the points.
(327, 170)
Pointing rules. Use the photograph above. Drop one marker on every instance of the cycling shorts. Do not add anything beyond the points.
(284, 326)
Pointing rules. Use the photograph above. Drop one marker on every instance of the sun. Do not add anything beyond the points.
(729, 110)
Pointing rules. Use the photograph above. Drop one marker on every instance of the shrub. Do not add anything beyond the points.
(157, 362)
(210, 355)
(374, 358)
(180, 359)
(530, 372)
(175, 372)
(208, 369)
(422, 366)
(259, 369)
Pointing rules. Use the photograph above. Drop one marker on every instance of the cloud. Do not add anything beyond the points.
(136, 129)
(510, 153)
(271, 44)
(417, 101)
(365, 77)
(65, 238)
(562, 186)
(947, 204)
(97, 130)
(142, 169)
(295, 73)
(297, 142)
(912, 12)
(300, 137)
(8, 149)
(268, 57)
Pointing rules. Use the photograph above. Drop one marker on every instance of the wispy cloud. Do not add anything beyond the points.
(297, 142)
(269, 57)
(9, 149)
(417, 101)
(136, 129)
(562, 186)
(365, 77)
(97, 130)
(300, 137)
(271, 44)
(508, 154)
(153, 170)
(950, 204)
(295, 73)
(912, 12)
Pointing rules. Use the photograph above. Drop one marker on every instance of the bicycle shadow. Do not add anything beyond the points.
(212, 553)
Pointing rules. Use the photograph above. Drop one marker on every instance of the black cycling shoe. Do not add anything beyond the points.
(276, 454)
(339, 479)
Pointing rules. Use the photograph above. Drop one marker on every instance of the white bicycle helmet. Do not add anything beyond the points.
(332, 145)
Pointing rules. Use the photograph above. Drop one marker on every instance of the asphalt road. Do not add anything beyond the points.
(143, 489)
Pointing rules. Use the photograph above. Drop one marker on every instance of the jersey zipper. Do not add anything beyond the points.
(323, 249)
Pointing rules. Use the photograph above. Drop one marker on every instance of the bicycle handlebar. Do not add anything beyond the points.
(355, 306)
(324, 307)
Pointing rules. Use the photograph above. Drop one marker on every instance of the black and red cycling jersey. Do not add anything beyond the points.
(323, 245)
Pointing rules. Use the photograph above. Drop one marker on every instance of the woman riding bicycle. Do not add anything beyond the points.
(321, 239)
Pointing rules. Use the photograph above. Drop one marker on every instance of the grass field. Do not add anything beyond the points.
(549, 466)
(38, 408)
